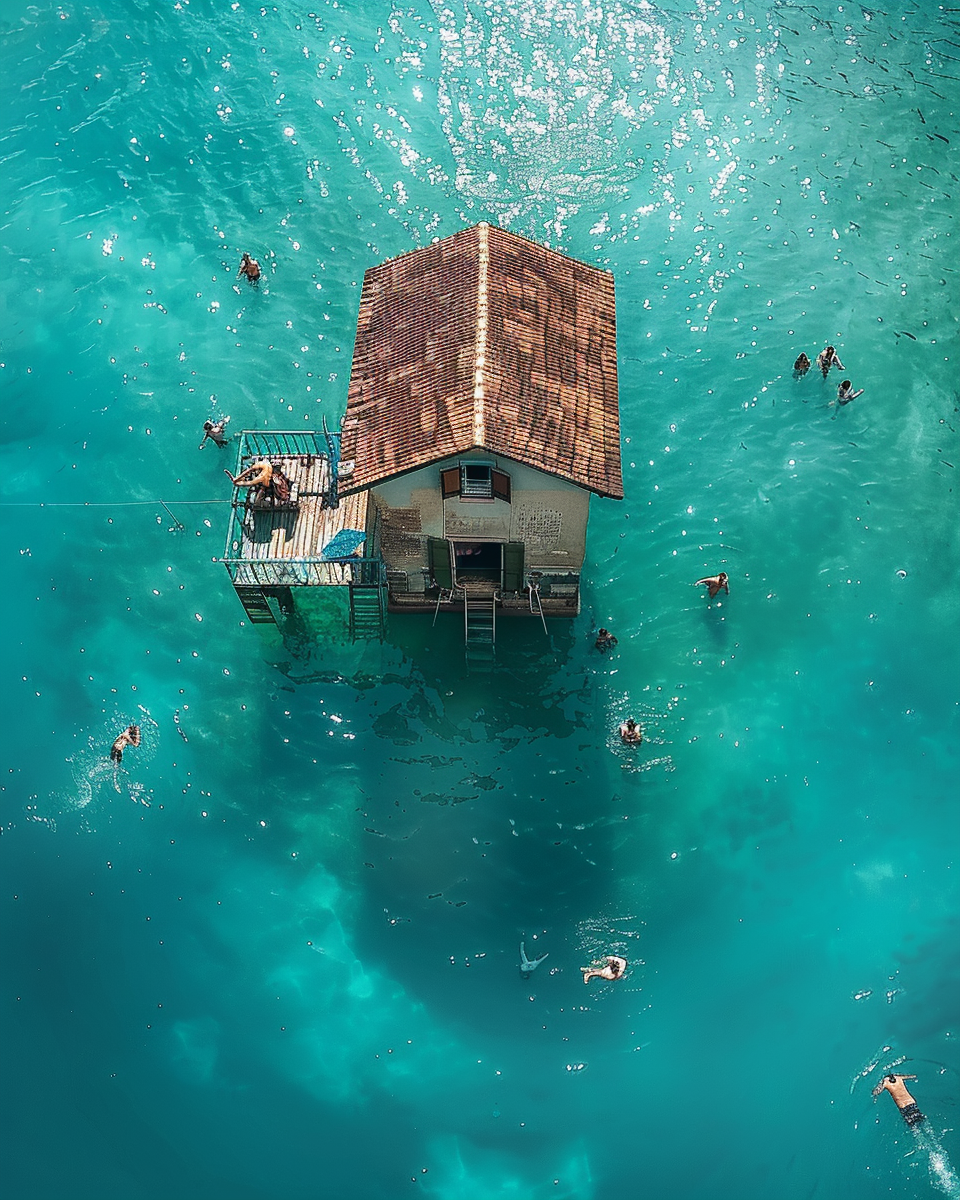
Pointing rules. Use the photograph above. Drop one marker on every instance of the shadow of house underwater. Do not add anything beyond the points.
(482, 412)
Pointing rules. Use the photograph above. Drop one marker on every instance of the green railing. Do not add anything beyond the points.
(304, 572)
(291, 572)
(280, 443)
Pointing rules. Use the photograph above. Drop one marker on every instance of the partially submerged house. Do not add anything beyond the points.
(482, 414)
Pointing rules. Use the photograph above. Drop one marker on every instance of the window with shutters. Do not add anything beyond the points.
(475, 481)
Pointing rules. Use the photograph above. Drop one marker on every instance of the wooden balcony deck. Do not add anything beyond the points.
(285, 546)
(268, 533)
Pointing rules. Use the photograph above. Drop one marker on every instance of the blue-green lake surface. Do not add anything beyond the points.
(275, 954)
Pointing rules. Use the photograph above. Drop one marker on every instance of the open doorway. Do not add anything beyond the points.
(480, 562)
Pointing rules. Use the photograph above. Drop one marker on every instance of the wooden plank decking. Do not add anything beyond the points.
(278, 536)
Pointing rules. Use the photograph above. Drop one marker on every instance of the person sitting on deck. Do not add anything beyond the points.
(257, 475)
(611, 967)
(630, 732)
(269, 487)
(909, 1108)
(129, 737)
(715, 583)
(605, 640)
(279, 487)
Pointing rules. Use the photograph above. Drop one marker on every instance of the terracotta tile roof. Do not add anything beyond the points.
(484, 340)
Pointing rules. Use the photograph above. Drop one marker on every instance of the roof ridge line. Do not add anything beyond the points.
(480, 361)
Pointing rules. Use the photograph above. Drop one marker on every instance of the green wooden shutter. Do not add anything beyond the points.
(501, 485)
(438, 550)
(450, 482)
(512, 566)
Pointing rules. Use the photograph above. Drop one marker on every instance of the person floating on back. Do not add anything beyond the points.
(611, 967)
(251, 268)
(715, 582)
(828, 358)
(630, 732)
(129, 737)
(215, 431)
(605, 640)
(801, 366)
(909, 1109)
(845, 392)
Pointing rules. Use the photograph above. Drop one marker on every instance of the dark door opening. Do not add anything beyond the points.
(479, 561)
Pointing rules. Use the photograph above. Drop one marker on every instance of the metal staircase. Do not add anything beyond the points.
(367, 599)
(366, 611)
(480, 629)
(255, 604)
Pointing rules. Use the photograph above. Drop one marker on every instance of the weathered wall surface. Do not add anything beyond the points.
(548, 515)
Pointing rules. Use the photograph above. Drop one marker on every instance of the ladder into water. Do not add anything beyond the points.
(480, 628)
(366, 611)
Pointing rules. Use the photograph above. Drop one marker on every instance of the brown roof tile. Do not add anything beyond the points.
(485, 340)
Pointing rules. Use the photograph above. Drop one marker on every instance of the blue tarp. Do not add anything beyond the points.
(343, 544)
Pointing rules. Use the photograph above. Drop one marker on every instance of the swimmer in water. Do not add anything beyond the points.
(630, 732)
(611, 967)
(129, 737)
(909, 1109)
(527, 965)
(249, 267)
(845, 392)
(214, 430)
(828, 358)
(715, 583)
(605, 640)
(801, 366)
(258, 474)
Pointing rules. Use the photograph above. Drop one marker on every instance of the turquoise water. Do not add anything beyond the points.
(276, 954)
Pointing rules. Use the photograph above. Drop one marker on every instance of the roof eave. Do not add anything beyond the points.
(349, 490)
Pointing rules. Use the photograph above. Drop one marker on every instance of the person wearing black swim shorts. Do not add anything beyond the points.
(909, 1109)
